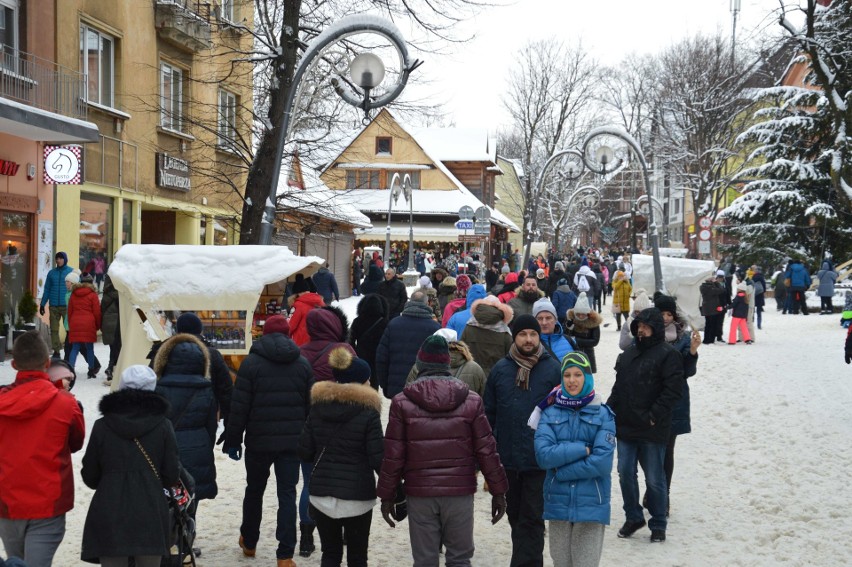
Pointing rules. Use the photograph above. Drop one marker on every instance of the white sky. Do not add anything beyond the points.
(471, 80)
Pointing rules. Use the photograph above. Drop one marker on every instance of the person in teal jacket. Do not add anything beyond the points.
(574, 443)
(54, 294)
(553, 338)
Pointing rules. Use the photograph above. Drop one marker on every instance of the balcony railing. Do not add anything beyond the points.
(41, 83)
(184, 23)
(112, 162)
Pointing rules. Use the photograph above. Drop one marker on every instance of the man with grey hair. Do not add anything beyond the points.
(394, 291)
(401, 341)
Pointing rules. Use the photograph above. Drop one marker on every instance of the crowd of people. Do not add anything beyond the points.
(493, 376)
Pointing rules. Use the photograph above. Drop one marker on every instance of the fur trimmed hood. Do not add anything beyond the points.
(502, 307)
(459, 351)
(182, 354)
(327, 392)
(593, 321)
(327, 324)
(132, 413)
(77, 286)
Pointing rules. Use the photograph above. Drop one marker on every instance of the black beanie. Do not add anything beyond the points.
(665, 303)
(188, 323)
(348, 369)
(301, 284)
(524, 322)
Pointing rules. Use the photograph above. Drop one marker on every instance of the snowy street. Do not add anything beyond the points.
(761, 480)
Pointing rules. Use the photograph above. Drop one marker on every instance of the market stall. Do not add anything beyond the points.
(682, 278)
(221, 284)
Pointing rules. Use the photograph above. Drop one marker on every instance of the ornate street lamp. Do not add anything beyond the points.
(367, 71)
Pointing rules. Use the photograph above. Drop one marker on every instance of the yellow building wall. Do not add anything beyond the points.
(508, 187)
(404, 151)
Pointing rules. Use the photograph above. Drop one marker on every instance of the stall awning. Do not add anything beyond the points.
(423, 232)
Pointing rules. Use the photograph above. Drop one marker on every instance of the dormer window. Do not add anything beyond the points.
(384, 146)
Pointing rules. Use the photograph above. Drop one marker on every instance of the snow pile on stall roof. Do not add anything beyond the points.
(681, 278)
(155, 271)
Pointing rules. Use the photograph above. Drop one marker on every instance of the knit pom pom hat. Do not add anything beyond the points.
(582, 306)
(348, 369)
(642, 301)
(433, 356)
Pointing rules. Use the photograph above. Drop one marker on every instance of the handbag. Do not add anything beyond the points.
(758, 288)
(616, 309)
(177, 493)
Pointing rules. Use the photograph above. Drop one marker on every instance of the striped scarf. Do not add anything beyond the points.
(525, 365)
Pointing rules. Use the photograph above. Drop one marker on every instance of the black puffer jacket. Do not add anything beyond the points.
(109, 313)
(182, 365)
(399, 345)
(271, 397)
(128, 514)
(648, 384)
(395, 293)
(367, 330)
(343, 440)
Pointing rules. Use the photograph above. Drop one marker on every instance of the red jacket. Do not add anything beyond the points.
(40, 426)
(298, 321)
(84, 314)
(452, 308)
(436, 435)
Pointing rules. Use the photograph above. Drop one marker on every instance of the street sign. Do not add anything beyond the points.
(473, 238)
(703, 246)
(481, 227)
(464, 224)
(705, 222)
(704, 234)
(483, 213)
(466, 213)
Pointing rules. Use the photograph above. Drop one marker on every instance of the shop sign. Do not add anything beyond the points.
(8, 167)
(172, 173)
(63, 165)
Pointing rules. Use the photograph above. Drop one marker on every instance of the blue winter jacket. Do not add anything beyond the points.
(508, 407)
(54, 284)
(326, 285)
(557, 343)
(459, 319)
(563, 300)
(799, 277)
(577, 486)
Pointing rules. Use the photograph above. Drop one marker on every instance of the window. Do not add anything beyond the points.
(414, 176)
(97, 53)
(9, 32)
(384, 146)
(227, 8)
(171, 97)
(227, 119)
(362, 179)
(96, 238)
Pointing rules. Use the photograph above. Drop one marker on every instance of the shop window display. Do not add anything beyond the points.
(14, 263)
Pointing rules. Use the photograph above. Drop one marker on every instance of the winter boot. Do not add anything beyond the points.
(246, 551)
(286, 563)
(629, 528)
(658, 536)
(306, 542)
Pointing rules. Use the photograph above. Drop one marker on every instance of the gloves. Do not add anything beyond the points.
(41, 310)
(387, 508)
(235, 453)
(498, 507)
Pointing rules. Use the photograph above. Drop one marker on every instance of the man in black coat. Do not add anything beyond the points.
(648, 383)
(393, 290)
(270, 404)
(714, 299)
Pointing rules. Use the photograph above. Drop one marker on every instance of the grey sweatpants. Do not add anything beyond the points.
(34, 541)
(438, 520)
(576, 544)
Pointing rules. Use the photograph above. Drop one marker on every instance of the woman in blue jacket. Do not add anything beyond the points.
(574, 443)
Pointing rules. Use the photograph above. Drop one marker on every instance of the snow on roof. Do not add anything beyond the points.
(516, 164)
(455, 144)
(189, 277)
(426, 202)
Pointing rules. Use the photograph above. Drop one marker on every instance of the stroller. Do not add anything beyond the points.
(182, 506)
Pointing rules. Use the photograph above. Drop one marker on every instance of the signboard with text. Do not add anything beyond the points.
(173, 173)
(63, 165)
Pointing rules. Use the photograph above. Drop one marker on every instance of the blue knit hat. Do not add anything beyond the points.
(581, 361)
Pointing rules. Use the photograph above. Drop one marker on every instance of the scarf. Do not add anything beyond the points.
(671, 333)
(525, 365)
(417, 310)
(564, 401)
(557, 397)
(500, 327)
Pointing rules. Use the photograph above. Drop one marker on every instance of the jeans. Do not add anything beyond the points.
(304, 497)
(286, 476)
(651, 457)
(34, 541)
(87, 350)
(331, 530)
(524, 508)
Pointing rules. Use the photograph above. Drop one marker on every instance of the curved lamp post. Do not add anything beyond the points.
(600, 158)
(405, 188)
(367, 71)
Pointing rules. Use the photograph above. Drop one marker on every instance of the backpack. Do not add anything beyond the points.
(583, 284)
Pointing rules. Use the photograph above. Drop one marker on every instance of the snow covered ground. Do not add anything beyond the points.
(762, 480)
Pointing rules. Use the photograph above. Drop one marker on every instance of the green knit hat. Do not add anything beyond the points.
(581, 361)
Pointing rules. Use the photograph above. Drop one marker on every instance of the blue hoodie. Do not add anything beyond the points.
(459, 319)
(54, 284)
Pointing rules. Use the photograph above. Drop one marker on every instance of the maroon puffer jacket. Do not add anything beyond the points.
(437, 432)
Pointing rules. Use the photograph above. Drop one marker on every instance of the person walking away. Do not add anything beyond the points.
(648, 383)
(131, 457)
(400, 342)
(600, 295)
(510, 287)
(459, 301)
(446, 293)
(40, 426)
(780, 291)
(574, 443)
(431, 296)
(270, 404)
(827, 277)
(586, 281)
(739, 312)
(462, 365)
(342, 440)
(800, 281)
(513, 388)
(367, 330)
(563, 299)
(621, 290)
(686, 342)
(556, 274)
(459, 319)
(110, 325)
(393, 290)
(357, 273)
(584, 326)
(182, 365)
(374, 278)
(84, 322)
(487, 333)
(326, 285)
(303, 302)
(713, 302)
(436, 435)
(54, 296)
(759, 283)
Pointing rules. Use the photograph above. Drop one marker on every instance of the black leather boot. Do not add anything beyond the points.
(306, 542)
